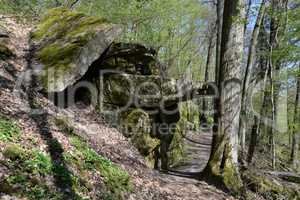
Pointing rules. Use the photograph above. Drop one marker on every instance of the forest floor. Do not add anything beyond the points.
(108, 142)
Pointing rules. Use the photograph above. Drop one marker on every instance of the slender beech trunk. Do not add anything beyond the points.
(263, 63)
(296, 127)
(257, 123)
(219, 6)
(203, 117)
(276, 32)
(224, 157)
(250, 61)
(273, 115)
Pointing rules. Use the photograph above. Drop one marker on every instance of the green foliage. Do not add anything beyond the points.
(177, 148)
(84, 158)
(26, 169)
(25, 185)
(189, 113)
(27, 8)
(116, 180)
(9, 131)
(171, 26)
(39, 163)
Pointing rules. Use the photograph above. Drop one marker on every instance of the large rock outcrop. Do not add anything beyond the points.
(70, 48)
(65, 44)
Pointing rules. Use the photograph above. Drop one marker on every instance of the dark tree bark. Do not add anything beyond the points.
(224, 156)
(258, 121)
(295, 135)
(253, 140)
(219, 6)
(203, 116)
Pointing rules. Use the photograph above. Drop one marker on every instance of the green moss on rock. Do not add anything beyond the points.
(61, 23)
(231, 177)
(137, 125)
(13, 152)
(66, 43)
(177, 147)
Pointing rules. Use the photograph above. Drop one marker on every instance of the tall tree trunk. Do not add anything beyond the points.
(253, 140)
(224, 157)
(263, 61)
(250, 61)
(219, 20)
(258, 121)
(271, 130)
(276, 32)
(203, 116)
(219, 6)
(296, 128)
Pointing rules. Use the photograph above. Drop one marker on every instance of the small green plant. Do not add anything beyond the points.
(39, 163)
(116, 180)
(14, 152)
(25, 186)
(63, 124)
(9, 131)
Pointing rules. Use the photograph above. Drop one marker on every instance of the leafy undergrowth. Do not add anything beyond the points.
(268, 187)
(32, 173)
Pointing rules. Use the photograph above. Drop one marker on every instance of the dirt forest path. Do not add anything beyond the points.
(198, 147)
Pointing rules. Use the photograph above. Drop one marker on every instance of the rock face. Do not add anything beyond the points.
(132, 76)
(132, 59)
(137, 125)
(65, 44)
(6, 69)
(134, 84)
(70, 48)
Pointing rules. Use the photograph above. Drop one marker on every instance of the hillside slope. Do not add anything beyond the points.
(53, 153)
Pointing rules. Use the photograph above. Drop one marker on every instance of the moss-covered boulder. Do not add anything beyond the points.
(65, 44)
(136, 125)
